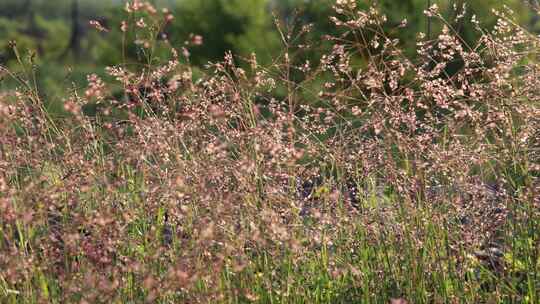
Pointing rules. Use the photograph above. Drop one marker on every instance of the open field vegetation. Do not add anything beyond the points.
(369, 175)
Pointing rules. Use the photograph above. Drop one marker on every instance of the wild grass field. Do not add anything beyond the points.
(367, 177)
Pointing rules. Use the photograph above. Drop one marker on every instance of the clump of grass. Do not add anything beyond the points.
(370, 177)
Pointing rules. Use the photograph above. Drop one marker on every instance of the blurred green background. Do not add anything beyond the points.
(65, 48)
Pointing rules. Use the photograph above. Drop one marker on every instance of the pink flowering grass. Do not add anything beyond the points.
(366, 177)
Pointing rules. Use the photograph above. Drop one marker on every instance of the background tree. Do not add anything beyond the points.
(58, 31)
(236, 25)
(75, 38)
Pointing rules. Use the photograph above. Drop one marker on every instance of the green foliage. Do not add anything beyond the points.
(239, 26)
(242, 27)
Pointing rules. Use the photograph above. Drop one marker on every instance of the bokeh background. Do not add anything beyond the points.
(65, 48)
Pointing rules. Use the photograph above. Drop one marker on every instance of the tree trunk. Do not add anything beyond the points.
(75, 39)
(535, 7)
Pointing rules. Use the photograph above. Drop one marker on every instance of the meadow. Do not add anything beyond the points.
(369, 176)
